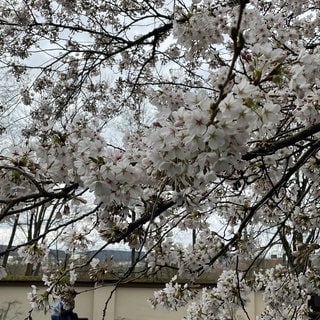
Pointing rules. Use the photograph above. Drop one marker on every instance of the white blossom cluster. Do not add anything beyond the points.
(38, 301)
(34, 253)
(231, 156)
(59, 285)
(189, 260)
(173, 296)
(221, 301)
(286, 294)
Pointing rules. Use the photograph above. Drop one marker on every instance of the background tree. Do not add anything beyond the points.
(233, 153)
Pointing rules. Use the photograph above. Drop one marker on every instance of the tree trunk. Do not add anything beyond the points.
(9, 246)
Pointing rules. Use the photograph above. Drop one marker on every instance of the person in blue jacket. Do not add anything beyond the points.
(59, 313)
(56, 309)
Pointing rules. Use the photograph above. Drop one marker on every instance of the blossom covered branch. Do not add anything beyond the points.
(229, 156)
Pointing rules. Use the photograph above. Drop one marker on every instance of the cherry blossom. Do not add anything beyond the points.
(230, 157)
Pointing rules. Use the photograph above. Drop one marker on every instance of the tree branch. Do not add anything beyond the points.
(270, 147)
(251, 211)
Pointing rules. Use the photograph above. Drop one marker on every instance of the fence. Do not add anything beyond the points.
(128, 302)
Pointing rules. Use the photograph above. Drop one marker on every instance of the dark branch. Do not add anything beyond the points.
(270, 147)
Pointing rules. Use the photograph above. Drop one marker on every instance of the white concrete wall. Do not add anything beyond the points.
(127, 303)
